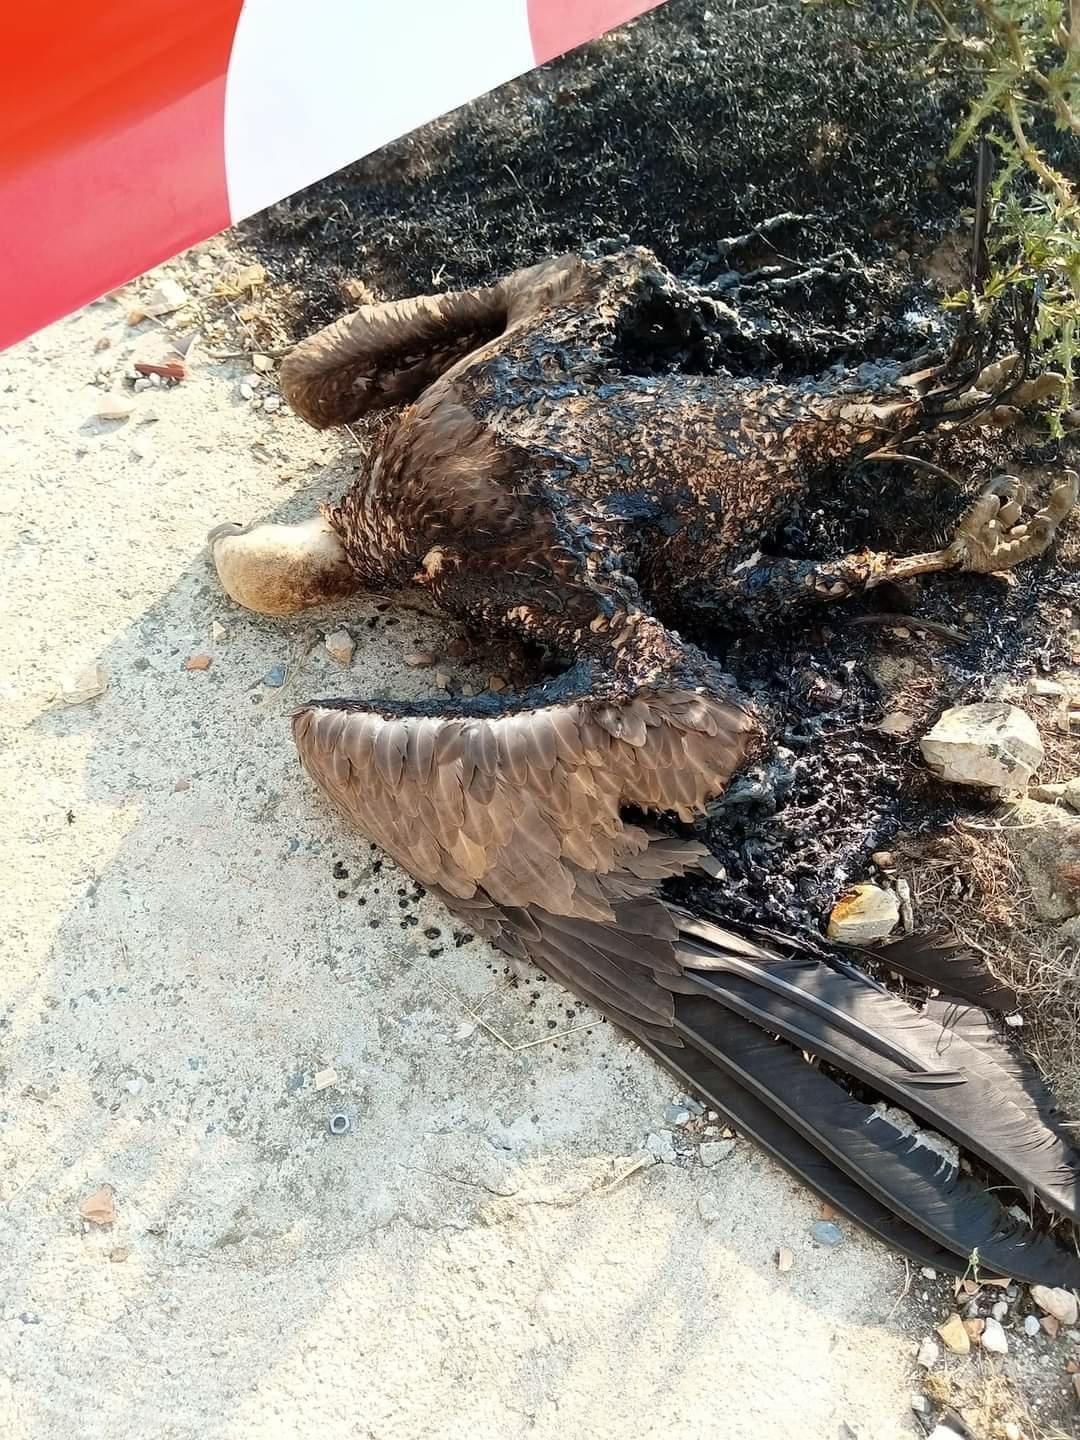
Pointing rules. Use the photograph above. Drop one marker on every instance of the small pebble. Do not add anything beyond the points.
(676, 1115)
(897, 723)
(141, 384)
(994, 1338)
(163, 299)
(262, 363)
(920, 1404)
(325, 1078)
(180, 785)
(1057, 1302)
(929, 1354)
(496, 683)
(275, 677)
(1048, 688)
(1031, 1325)
(271, 403)
(468, 691)
(883, 859)
(119, 1253)
(785, 1259)
(954, 1336)
(662, 1145)
(442, 680)
(87, 685)
(419, 659)
(217, 632)
(999, 1310)
(135, 1086)
(246, 391)
(340, 646)
(114, 407)
(1050, 1326)
(713, 1151)
(709, 1208)
(928, 1272)
(1012, 1430)
(825, 1232)
(198, 662)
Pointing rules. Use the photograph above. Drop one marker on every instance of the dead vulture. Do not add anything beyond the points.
(533, 486)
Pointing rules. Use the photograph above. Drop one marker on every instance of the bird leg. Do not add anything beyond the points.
(990, 537)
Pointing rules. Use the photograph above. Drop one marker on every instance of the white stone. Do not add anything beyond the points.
(1053, 1300)
(262, 363)
(163, 299)
(999, 1310)
(1031, 1325)
(87, 685)
(272, 403)
(865, 913)
(114, 407)
(929, 1354)
(991, 744)
(993, 1337)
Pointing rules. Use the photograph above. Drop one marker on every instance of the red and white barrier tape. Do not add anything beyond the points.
(129, 130)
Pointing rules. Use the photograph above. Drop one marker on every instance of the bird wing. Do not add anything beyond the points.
(512, 816)
(524, 806)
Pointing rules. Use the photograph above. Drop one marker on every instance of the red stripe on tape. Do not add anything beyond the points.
(111, 121)
(558, 25)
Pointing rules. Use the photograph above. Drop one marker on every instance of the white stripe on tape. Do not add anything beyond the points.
(313, 86)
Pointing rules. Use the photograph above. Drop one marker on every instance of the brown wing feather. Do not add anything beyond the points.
(516, 807)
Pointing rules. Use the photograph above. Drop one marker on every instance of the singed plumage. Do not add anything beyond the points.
(533, 486)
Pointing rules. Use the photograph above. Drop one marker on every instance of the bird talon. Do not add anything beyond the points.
(992, 537)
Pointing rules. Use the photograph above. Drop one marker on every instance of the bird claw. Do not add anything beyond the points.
(992, 536)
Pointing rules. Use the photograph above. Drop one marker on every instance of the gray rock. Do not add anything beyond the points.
(275, 677)
(662, 1145)
(825, 1232)
(713, 1151)
(992, 744)
(1000, 1310)
(677, 1114)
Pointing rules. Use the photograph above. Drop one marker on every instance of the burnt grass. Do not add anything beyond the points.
(691, 131)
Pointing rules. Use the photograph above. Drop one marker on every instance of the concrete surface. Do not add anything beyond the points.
(180, 961)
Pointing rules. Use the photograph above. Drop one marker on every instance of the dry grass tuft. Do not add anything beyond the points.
(966, 882)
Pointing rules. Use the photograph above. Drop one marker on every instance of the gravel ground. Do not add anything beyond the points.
(181, 959)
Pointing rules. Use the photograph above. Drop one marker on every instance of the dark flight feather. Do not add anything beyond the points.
(916, 1183)
(948, 967)
(752, 1118)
